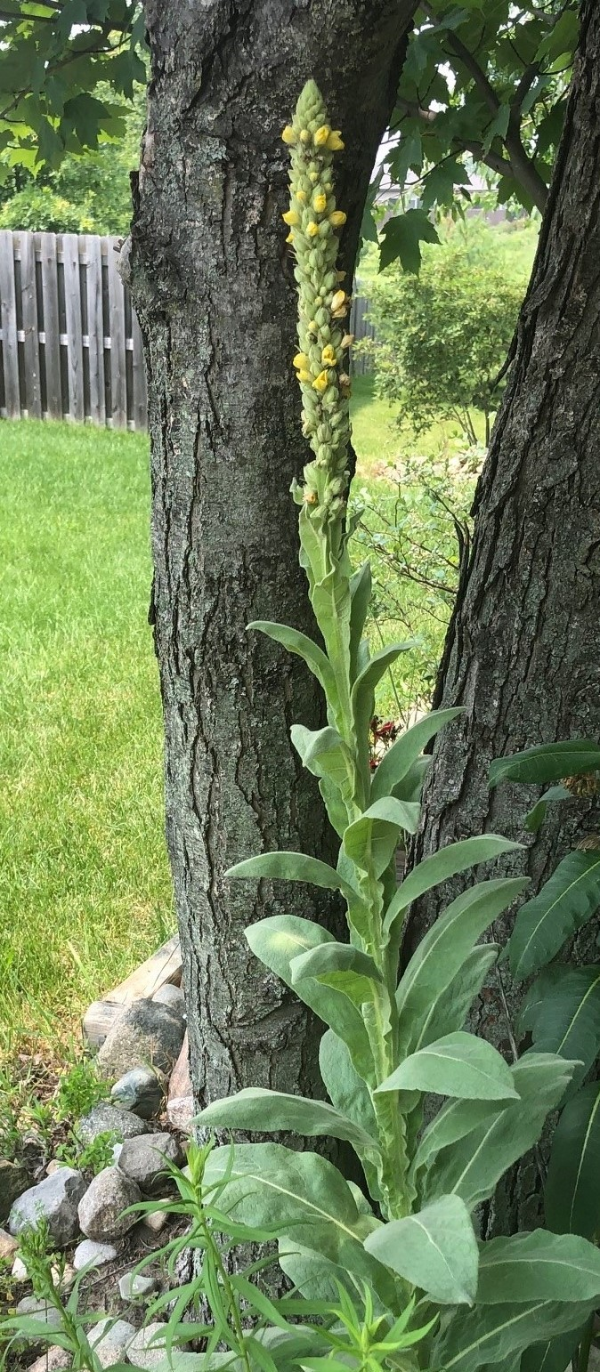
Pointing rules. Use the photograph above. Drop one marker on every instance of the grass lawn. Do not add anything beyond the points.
(84, 882)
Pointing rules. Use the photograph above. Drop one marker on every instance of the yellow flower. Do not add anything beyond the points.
(312, 229)
(301, 360)
(334, 142)
(303, 375)
(339, 303)
(301, 196)
(320, 202)
(338, 218)
(291, 217)
(328, 356)
(290, 237)
(311, 497)
(289, 135)
(321, 381)
(313, 327)
(322, 136)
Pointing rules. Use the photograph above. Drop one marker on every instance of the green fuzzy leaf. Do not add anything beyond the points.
(281, 939)
(443, 950)
(345, 1088)
(472, 1167)
(371, 841)
(547, 762)
(292, 867)
(450, 1011)
(457, 1065)
(360, 596)
(567, 901)
(344, 968)
(411, 785)
(535, 818)
(261, 1111)
(324, 753)
(397, 762)
(554, 1355)
(298, 643)
(363, 690)
(572, 1195)
(318, 1279)
(562, 1011)
(495, 1333)
(435, 1250)
(538, 1266)
(402, 236)
(448, 862)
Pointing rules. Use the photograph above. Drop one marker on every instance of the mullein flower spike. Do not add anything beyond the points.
(321, 304)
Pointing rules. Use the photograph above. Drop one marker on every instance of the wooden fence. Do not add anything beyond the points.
(70, 343)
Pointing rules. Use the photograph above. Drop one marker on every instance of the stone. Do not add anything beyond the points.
(148, 1034)
(54, 1359)
(8, 1246)
(144, 1159)
(101, 1209)
(148, 1348)
(105, 1119)
(39, 1310)
(134, 1285)
(14, 1180)
(155, 1220)
(111, 1340)
(19, 1270)
(139, 1091)
(90, 1252)
(55, 1200)
(171, 995)
(180, 1101)
(53, 1167)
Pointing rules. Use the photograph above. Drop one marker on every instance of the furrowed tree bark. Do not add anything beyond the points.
(523, 650)
(214, 291)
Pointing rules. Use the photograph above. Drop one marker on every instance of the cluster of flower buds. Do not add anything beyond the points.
(313, 221)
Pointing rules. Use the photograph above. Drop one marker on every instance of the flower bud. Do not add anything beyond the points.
(321, 381)
(312, 229)
(319, 201)
(335, 142)
(337, 219)
(289, 135)
(328, 357)
(322, 136)
(291, 217)
(301, 360)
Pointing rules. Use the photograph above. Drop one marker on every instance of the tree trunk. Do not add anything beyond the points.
(523, 651)
(213, 287)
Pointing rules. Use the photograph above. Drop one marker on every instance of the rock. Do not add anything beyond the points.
(19, 1270)
(180, 1102)
(101, 1209)
(40, 1310)
(155, 1220)
(148, 1348)
(54, 1359)
(139, 1091)
(171, 995)
(64, 1278)
(105, 1119)
(144, 1160)
(147, 1033)
(111, 1340)
(90, 1252)
(14, 1180)
(53, 1166)
(8, 1246)
(55, 1199)
(132, 1286)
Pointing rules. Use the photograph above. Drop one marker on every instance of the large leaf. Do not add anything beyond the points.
(360, 596)
(572, 1195)
(435, 1250)
(495, 1333)
(536, 816)
(397, 762)
(554, 1355)
(293, 867)
(569, 898)
(298, 643)
(261, 1111)
(402, 236)
(457, 1065)
(371, 841)
(562, 1011)
(318, 1278)
(277, 942)
(442, 951)
(342, 966)
(547, 762)
(448, 862)
(472, 1166)
(324, 753)
(538, 1266)
(345, 1088)
(363, 690)
(450, 1011)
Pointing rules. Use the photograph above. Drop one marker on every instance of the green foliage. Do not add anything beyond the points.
(90, 1157)
(442, 336)
(79, 1090)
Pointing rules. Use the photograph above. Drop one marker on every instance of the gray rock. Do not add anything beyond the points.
(19, 1270)
(101, 1209)
(148, 1348)
(111, 1340)
(40, 1310)
(53, 1359)
(14, 1180)
(8, 1245)
(147, 1033)
(144, 1160)
(104, 1119)
(140, 1091)
(171, 995)
(55, 1200)
(90, 1252)
(134, 1285)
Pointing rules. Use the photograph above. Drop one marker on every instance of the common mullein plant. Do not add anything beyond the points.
(408, 1234)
